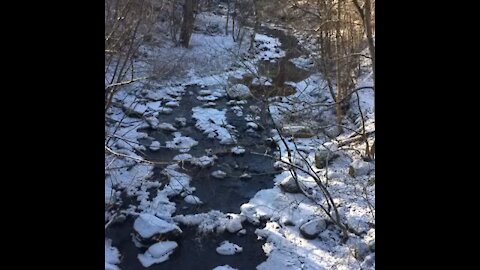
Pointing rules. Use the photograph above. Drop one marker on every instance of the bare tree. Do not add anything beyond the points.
(126, 21)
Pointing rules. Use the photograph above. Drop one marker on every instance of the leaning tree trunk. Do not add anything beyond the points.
(187, 24)
(371, 44)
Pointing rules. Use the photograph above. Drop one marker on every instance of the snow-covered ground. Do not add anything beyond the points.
(349, 179)
(298, 233)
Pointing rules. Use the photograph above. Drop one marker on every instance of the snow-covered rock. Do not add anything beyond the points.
(369, 262)
(209, 98)
(209, 104)
(182, 143)
(280, 165)
(181, 121)
(212, 122)
(152, 121)
(166, 127)
(203, 161)
(235, 223)
(252, 125)
(157, 253)
(191, 199)
(121, 144)
(325, 153)
(289, 185)
(312, 228)
(361, 167)
(336, 173)
(154, 95)
(245, 176)
(224, 267)
(299, 131)
(165, 110)
(332, 132)
(172, 104)
(148, 225)
(219, 174)
(359, 248)
(155, 146)
(238, 91)
(227, 248)
(134, 109)
(178, 181)
(238, 150)
(263, 81)
(237, 110)
(182, 157)
(112, 256)
(212, 222)
(205, 92)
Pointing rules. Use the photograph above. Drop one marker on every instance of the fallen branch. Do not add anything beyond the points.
(134, 158)
(124, 83)
(359, 138)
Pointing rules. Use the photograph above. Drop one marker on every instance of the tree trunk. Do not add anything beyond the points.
(187, 24)
(228, 16)
(234, 15)
(368, 26)
(338, 106)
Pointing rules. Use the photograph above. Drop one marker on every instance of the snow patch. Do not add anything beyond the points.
(212, 122)
(182, 143)
(212, 222)
(269, 47)
(148, 225)
(178, 183)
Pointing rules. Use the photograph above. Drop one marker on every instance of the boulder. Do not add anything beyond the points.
(324, 154)
(359, 248)
(238, 91)
(360, 167)
(288, 185)
(312, 228)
